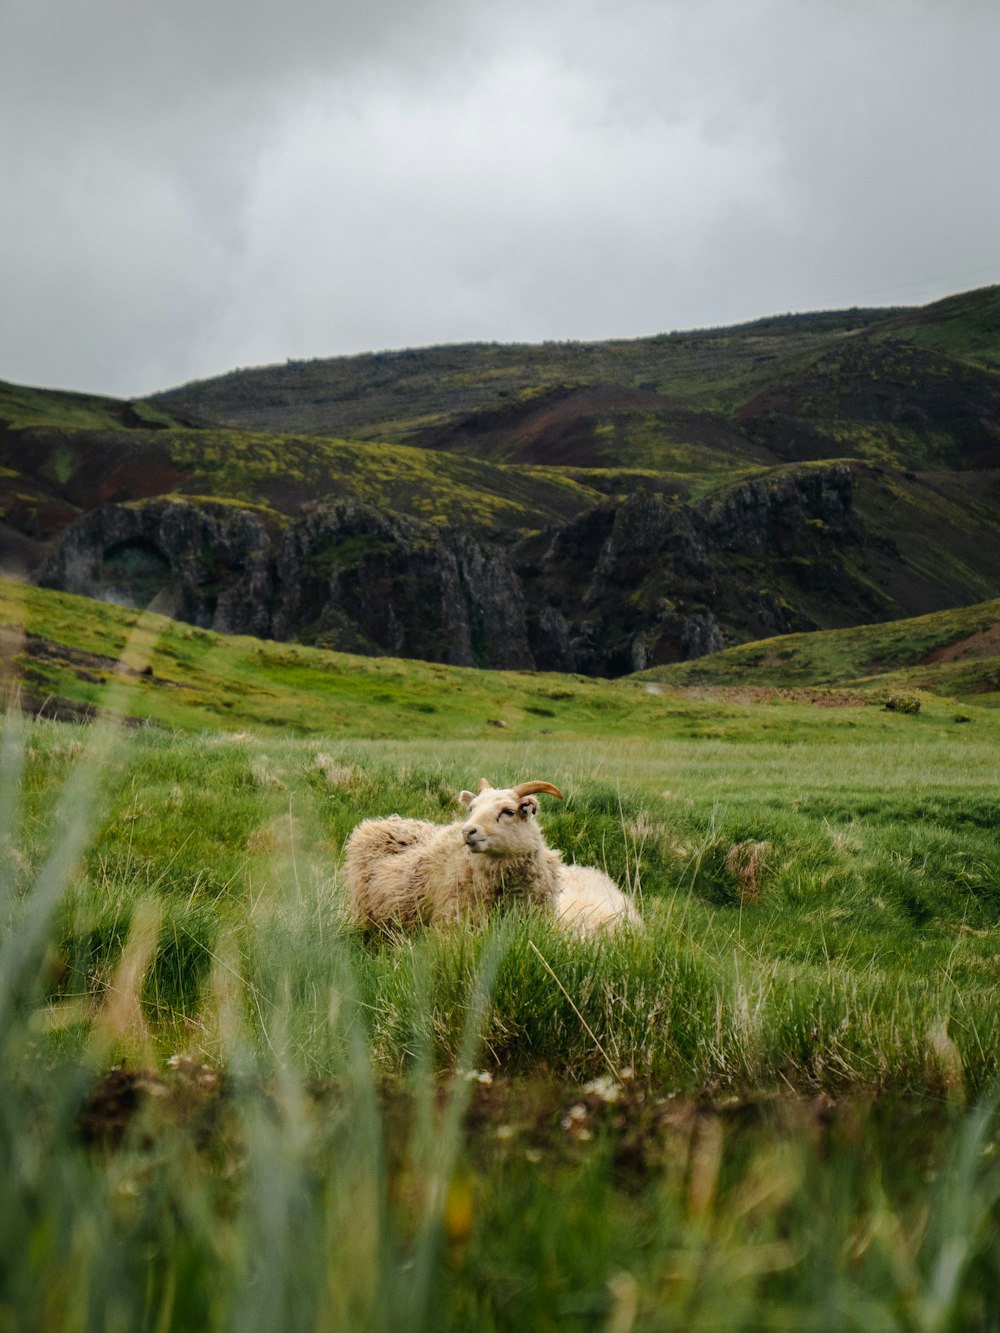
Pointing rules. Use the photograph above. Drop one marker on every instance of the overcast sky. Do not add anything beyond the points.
(195, 185)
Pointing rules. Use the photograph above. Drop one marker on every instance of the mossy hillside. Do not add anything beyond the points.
(52, 473)
(401, 395)
(22, 407)
(618, 483)
(911, 544)
(920, 542)
(933, 538)
(394, 395)
(71, 468)
(288, 470)
(887, 401)
(600, 426)
(966, 326)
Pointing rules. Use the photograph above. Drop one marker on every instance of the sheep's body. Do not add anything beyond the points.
(401, 872)
(589, 902)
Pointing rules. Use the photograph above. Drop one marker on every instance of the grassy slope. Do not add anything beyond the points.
(203, 679)
(841, 846)
(966, 326)
(863, 655)
(866, 833)
(22, 407)
(394, 395)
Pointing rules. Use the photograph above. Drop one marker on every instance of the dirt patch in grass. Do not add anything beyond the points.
(984, 644)
(536, 1116)
(771, 694)
(187, 1091)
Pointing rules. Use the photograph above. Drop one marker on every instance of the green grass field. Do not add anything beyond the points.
(772, 1107)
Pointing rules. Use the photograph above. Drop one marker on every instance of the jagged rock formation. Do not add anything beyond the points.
(343, 575)
(628, 584)
(651, 580)
(348, 576)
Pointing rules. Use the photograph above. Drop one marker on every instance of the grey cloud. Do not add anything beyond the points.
(193, 186)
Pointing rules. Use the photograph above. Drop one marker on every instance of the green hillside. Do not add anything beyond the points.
(50, 475)
(198, 679)
(950, 652)
(65, 651)
(965, 326)
(396, 395)
(22, 407)
(581, 507)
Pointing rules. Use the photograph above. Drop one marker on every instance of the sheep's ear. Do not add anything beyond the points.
(466, 797)
(484, 784)
(528, 807)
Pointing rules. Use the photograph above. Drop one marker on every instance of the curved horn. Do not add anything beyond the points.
(529, 789)
(484, 784)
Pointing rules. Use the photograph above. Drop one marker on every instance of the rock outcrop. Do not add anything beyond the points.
(651, 580)
(626, 585)
(343, 575)
(351, 577)
(213, 560)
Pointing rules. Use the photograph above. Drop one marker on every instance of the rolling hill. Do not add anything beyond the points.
(68, 656)
(596, 508)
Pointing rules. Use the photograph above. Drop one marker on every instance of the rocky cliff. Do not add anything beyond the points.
(652, 580)
(342, 575)
(628, 584)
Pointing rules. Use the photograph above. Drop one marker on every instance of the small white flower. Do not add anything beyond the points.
(604, 1087)
(574, 1116)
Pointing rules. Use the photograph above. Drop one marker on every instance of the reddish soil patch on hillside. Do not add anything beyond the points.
(559, 428)
(138, 479)
(984, 644)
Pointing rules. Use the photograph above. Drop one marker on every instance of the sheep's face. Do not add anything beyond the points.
(501, 820)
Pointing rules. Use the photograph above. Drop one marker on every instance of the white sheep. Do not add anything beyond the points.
(399, 872)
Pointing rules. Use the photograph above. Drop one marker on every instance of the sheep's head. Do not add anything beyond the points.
(501, 820)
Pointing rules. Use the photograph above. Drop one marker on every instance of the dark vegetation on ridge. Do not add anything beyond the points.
(597, 508)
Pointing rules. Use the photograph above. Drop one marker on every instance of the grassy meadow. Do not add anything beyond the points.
(773, 1106)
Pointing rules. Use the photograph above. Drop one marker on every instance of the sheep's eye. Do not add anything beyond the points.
(508, 814)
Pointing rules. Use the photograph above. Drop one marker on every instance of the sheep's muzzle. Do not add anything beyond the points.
(474, 839)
